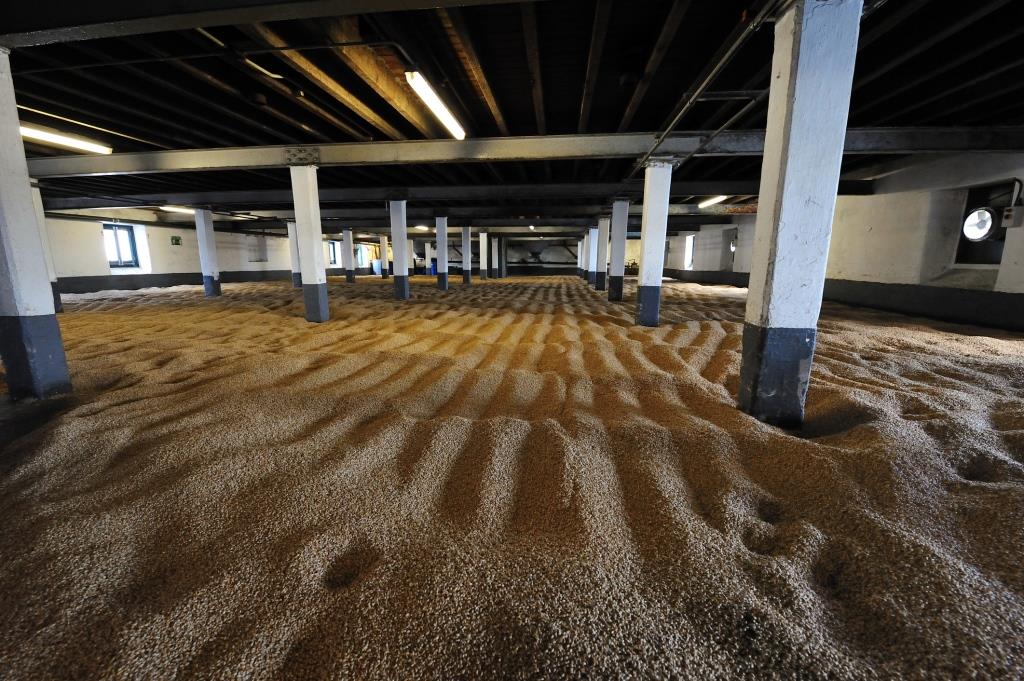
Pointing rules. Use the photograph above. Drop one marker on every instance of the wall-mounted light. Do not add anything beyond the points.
(712, 201)
(57, 139)
(178, 209)
(422, 88)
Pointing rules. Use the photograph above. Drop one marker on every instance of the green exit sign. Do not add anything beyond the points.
(175, 240)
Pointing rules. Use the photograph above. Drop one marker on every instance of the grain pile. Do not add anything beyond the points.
(510, 479)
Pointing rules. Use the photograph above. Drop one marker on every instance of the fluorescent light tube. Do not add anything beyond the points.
(178, 209)
(28, 132)
(712, 201)
(422, 88)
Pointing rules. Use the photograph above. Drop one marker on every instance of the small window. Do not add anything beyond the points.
(119, 243)
(688, 252)
(332, 247)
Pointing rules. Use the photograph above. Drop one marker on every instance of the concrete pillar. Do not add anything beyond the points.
(44, 237)
(583, 254)
(384, 260)
(410, 248)
(812, 74)
(617, 269)
(580, 272)
(653, 230)
(492, 259)
(30, 342)
(347, 257)
(592, 243)
(310, 236)
(441, 226)
(603, 226)
(428, 254)
(400, 249)
(208, 252)
(484, 252)
(467, 256)
(293, 248)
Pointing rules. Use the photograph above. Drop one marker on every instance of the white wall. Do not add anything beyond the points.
(744, 225)
(77, 248)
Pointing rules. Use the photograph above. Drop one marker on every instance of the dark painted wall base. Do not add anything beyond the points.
(33, 356)
(315, 297)
(967, 306)
(648, 305)
(535, 271)
(775, 372)
(401, 287)
(614, 288)
(211, 286)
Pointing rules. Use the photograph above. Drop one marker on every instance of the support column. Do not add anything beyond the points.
(812, 74)
(30, 342)
(620, 216)
(347, 257)
(441, 227)
(384, 260)
(208, 252)
(44, 237)
(427, 257)
(603, 225)
(492, 259)
(467, 256)
(484, 251)
(399, 249)
(580, 272)
(410, 248)
(653, 230)
(592, 256)
(310, 236)
(293, 248)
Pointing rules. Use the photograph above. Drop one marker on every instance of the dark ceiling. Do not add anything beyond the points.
(921, 63)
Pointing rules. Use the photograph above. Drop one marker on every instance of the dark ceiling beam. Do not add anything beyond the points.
(502, 192)
(552, 147)
(891, 20)
(38, 23)
(322, 79)
(462, 42)
(668, 32)
(597, 35)
(530, 40)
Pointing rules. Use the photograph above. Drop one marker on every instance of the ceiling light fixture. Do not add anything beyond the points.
(265, 72)
(532, 228)
(178, 209)
(712, 201)
(57, 139)
(422, 88)
(422, 228)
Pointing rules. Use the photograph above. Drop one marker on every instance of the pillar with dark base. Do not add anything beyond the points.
(592, 256)
(492, 258)
(347, 257)
(601, 280)
(385, 263)
(293, 250)
(30, 342)
(653, 230)
(441, 227)
(44, 237)
(208, 252)
(467, 256)
(400, 249)
(812, 74)
(485, 251)
(309, 233)
(617, 267)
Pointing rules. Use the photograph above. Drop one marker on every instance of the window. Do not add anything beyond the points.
(333, 249)
(119, 243)
(688, 252)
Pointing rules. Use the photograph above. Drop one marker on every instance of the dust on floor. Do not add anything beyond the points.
(508, 479)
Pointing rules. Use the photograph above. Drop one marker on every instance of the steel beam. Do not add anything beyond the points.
(540, 148)
(27, 24)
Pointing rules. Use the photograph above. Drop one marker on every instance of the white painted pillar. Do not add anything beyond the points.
(410, 248)
(592, 239)
(812, 74)
(30, 340)
(384, 260)
(603, 227)
(44, 237)
(584, 251)
(400, 249)
(293, 249)
(208, 252)
(347, 256)
(484, 252)
(428, 255)
(653, 230)
(580, 272)
(441, 228)
(310, 237)
(467, 256)
(493, 264)
(617, 269)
